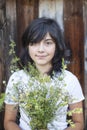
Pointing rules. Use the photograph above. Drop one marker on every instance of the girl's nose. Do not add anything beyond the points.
(41, 47)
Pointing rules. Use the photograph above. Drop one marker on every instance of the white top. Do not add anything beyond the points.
(59, 123)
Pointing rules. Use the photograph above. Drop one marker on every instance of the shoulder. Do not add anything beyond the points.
(18, 78)
(18, 75)
(71, 80)
(73, 86)
(20, 72)
(69, 75)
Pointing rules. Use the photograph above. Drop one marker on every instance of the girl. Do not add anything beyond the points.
(44, 46)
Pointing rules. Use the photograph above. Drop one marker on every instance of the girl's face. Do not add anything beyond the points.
(43, 52)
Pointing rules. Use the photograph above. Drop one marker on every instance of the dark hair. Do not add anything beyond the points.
(36, 31)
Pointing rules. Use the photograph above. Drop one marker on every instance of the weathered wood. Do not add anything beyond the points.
(2, 76)
(2, 23)
(85, 32)
(47, 8)
(52, 9)
(27, 10)
(11, 30)
(7, 30)
(2, 66)
(74, 35)
(85, 52)
(2, 52)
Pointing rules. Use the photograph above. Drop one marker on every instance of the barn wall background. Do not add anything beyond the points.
(15, 15)
(85, 56)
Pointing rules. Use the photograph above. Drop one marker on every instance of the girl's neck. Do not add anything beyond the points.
(44, 69)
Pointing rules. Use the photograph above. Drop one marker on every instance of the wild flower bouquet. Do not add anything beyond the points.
(43, 98)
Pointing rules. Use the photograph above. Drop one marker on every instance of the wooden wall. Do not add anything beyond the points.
(2, 62)
(15, 15)
(74, 35)
(27, 10)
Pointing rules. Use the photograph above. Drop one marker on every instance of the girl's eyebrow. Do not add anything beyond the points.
(48, 39)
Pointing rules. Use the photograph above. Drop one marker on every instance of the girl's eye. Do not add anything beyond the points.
(49, 43)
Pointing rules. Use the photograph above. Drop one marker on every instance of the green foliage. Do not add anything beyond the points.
(15, 59)
(43, 99)
(2, 96)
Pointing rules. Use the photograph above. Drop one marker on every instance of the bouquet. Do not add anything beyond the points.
(43, 98)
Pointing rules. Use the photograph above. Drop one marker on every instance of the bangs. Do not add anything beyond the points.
(38, 34)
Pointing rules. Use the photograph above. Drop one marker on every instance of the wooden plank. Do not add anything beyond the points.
(27, 10)
(52, 9)
(7, 30)
(11, 30)
(11, 18)
(85, 52)
(2, 62)
(74, 35)
(85, 32)
(2, 73)
(2, 52)
(47, 8)
(2, 23)
(59, 13)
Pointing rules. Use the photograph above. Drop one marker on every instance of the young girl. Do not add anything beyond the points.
(44, 46)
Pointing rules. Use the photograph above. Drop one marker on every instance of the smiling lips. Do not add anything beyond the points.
(41, 56)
